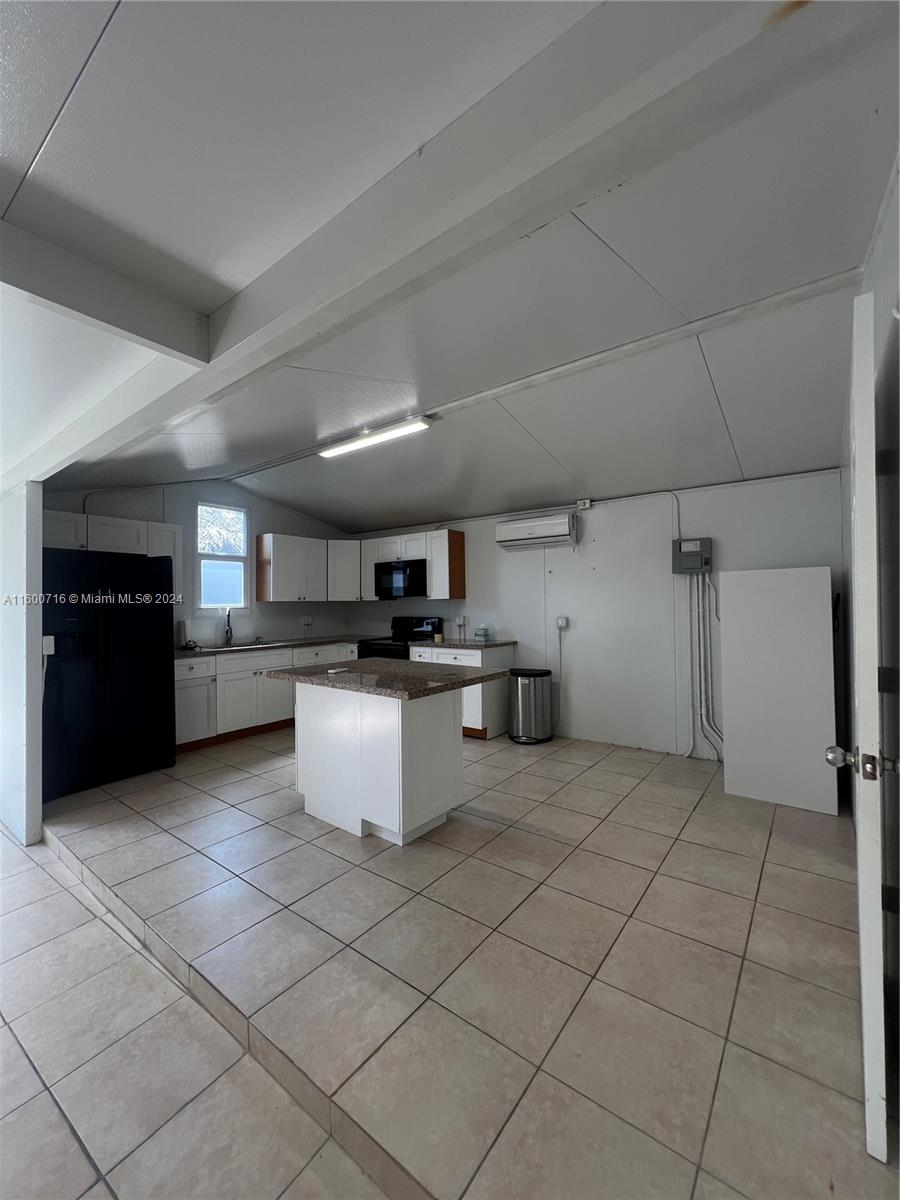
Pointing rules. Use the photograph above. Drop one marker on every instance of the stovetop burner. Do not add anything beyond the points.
(403, 631)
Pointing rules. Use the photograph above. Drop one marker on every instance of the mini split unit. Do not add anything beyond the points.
(558, 529)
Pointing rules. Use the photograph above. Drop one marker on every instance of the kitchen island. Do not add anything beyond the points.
(379, 742)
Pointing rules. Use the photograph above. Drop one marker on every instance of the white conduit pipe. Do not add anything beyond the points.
(705, 729)
(690, 749)
(707, 634)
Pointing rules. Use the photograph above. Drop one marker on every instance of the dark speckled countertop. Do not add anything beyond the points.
(206, 651)
(395, 678)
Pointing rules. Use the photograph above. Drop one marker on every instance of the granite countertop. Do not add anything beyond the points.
(471, 644)
(206, 651)
(396, 678)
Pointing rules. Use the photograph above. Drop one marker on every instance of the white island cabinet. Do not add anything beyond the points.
(485, 706)
(378, 743)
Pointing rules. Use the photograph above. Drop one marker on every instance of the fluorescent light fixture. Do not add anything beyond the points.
(414, 425)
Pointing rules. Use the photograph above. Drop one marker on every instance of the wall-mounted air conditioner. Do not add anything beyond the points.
(558, 529)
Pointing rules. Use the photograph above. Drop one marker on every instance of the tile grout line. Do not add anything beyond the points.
(727, 1039)
(492, 929)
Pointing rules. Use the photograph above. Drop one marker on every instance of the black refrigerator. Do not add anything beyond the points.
(109, 689)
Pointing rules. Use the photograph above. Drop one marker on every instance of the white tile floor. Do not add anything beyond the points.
(603, 977)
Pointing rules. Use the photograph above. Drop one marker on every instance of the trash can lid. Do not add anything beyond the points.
(529, 672)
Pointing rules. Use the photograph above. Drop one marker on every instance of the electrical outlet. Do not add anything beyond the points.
(307, 622)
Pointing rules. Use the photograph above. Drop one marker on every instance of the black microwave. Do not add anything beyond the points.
(397, 580)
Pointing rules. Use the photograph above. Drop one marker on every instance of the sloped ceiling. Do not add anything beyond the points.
(786, 200)
(265, 119)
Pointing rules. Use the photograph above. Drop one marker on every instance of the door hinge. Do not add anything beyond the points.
(889, 680)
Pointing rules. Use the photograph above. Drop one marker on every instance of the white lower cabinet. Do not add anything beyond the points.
(307, 656)
(485, 706)
(234, 691)
(195, 709)
(237, 700)
(275, 699)
(245, 695)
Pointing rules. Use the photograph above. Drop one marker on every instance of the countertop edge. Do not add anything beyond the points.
(326, 676)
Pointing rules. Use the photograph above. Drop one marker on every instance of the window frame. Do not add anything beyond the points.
(212, 610)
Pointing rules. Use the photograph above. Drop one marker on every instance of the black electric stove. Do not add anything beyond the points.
(403, 631)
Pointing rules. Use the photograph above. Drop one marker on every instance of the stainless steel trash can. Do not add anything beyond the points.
(530, 705)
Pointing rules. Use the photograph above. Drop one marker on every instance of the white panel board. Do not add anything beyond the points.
(329, 767)
(778, 686)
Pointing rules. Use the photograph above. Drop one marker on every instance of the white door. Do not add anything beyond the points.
(439, 565)
(195, 709)
(343, 571)
(276, 699)
(287, 567)
(237, 700)
(117, 534)
(314, 568)
(165, 541)
(65, 530)
(414, 545)
(368, 558)
(865, 755)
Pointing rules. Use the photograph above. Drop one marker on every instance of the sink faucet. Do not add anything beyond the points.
(228, 633)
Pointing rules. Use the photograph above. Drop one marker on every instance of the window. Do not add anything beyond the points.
(222, 556)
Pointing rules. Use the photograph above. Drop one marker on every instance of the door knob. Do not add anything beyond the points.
(837, 757)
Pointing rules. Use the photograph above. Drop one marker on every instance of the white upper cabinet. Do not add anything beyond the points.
(291, 568)
(314, 568)
(165, 541)
(343, 571)
(400, 546)
(369, 556)
(65, 531)
(414, 545)
(117, 534)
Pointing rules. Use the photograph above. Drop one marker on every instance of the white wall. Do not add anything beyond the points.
(20, 662)
(626, 659)
(177, 504)
(625, 662)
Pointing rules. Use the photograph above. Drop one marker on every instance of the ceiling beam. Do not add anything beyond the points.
(95, 427)
(78, 288)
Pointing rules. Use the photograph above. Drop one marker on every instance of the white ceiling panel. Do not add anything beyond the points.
(473, 461)
(51, 369)
(206, 140)
(784, 197)
(44, 45)
(554, 296)
(643, 423)
(285, 412)
(783, 379)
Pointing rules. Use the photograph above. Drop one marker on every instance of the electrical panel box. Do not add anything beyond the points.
(692, 556)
